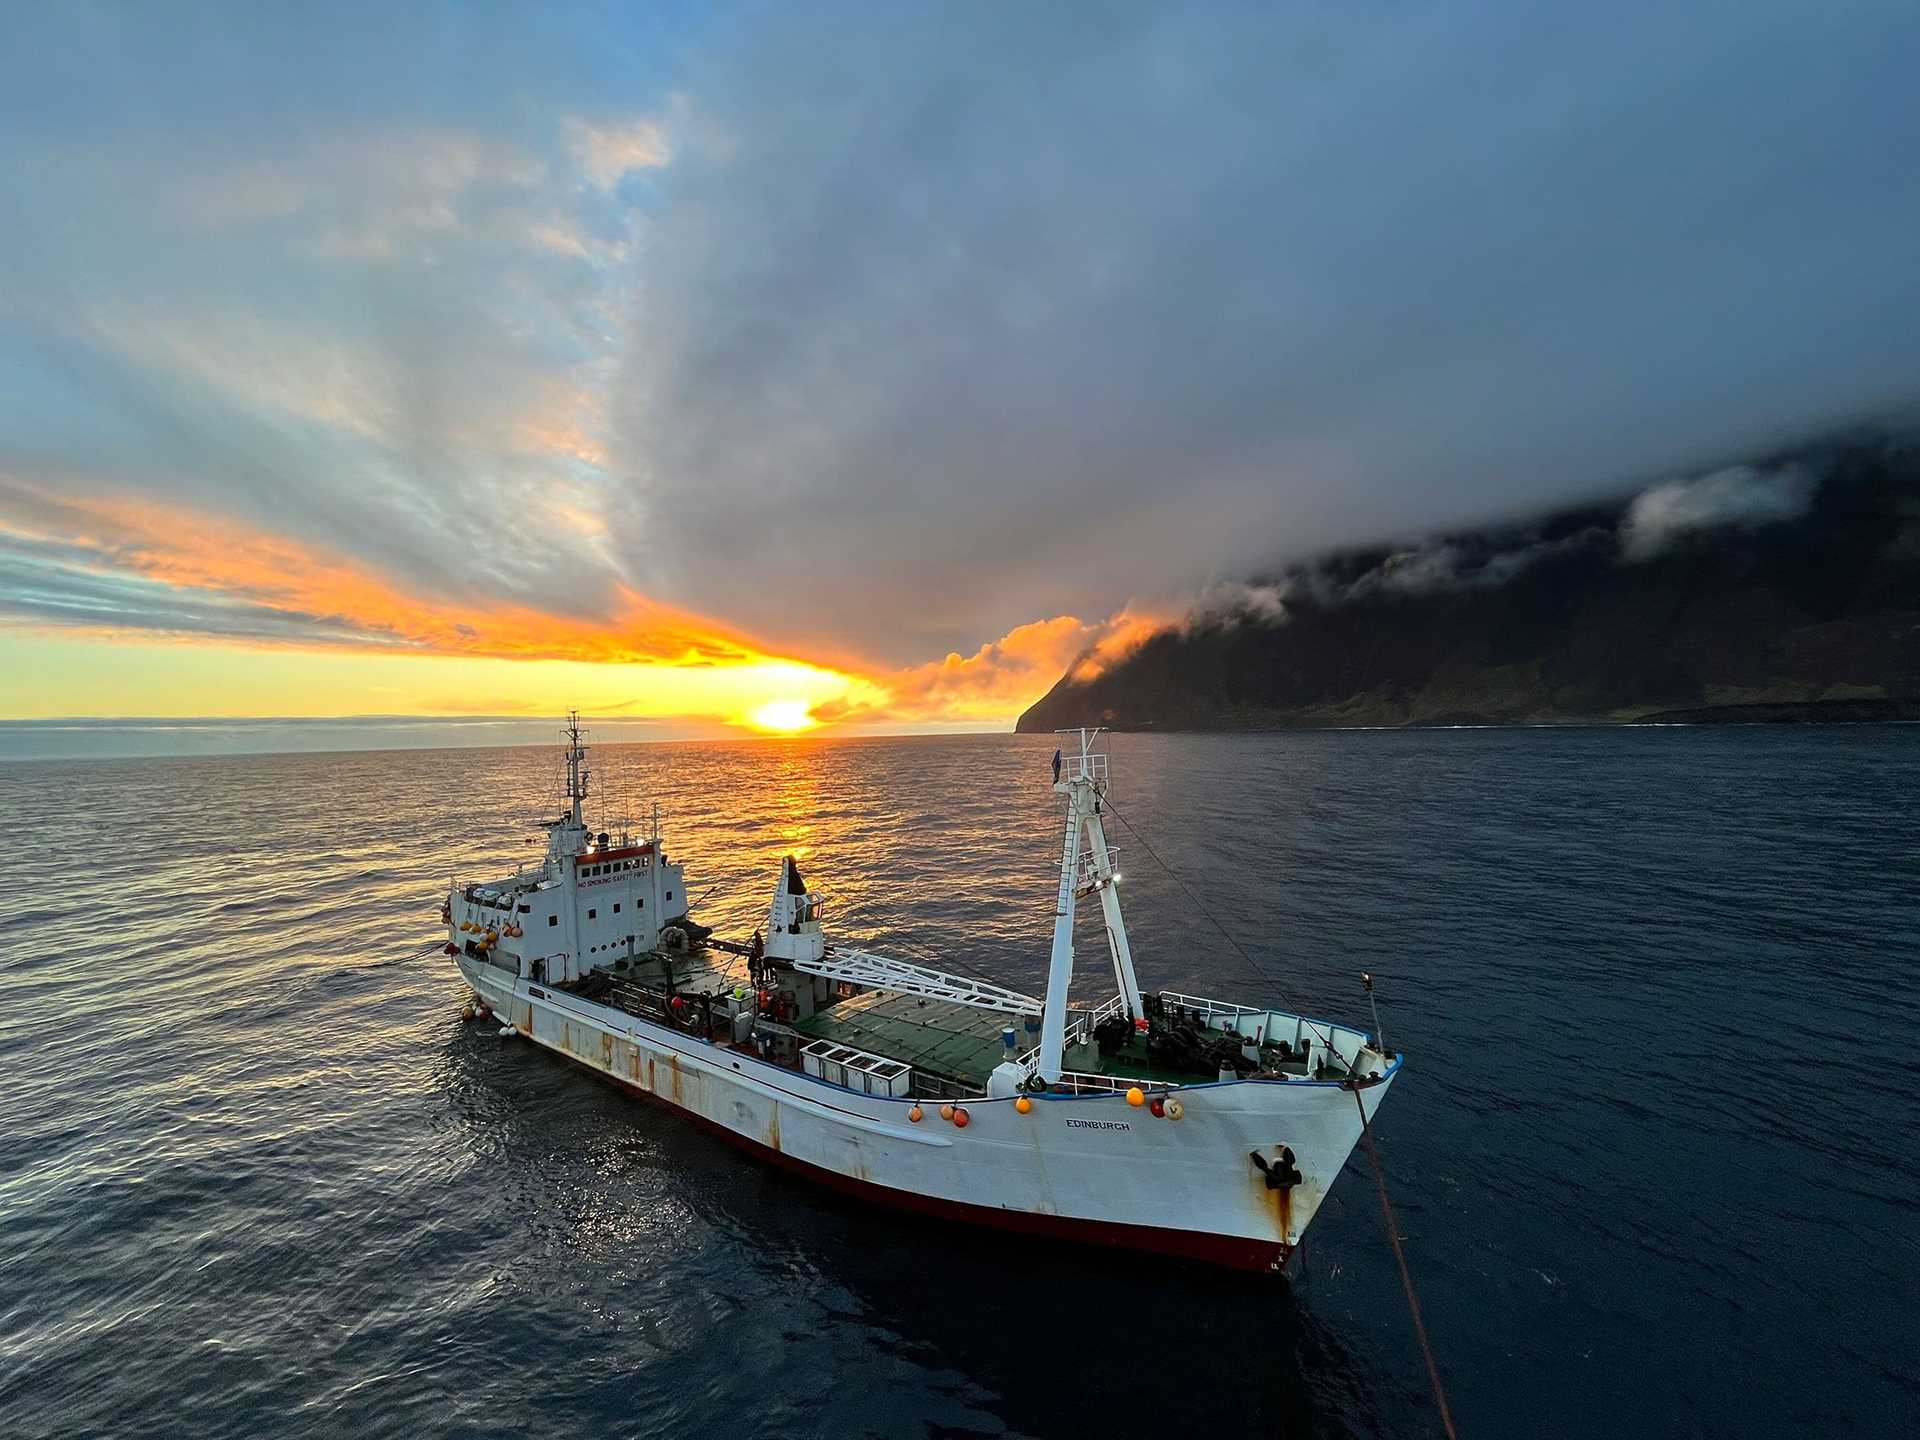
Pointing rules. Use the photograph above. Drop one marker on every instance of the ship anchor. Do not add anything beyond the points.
(1281, 1173)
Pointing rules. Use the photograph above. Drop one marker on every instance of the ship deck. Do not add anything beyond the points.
(943, 1038)
(938, 1038)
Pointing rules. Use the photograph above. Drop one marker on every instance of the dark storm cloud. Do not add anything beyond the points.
(955, 321)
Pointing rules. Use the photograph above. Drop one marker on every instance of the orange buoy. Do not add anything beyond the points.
(960, 1118)
(1023, 1105)
(916, 1114)
(1140, 1022)
(946, 1112)
(1136, 1097)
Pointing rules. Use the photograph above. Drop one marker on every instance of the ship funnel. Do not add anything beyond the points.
(793, 924)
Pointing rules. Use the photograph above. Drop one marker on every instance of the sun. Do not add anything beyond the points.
(783, 717)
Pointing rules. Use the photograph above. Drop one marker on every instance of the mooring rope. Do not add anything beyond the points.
(1366, 1133)
(1406, 1274)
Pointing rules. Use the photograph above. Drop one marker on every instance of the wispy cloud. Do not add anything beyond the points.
(370, 197)
(1741, 495)
(608, 150)
(130, 564)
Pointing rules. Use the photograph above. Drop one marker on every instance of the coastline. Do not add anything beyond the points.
(1813, 712)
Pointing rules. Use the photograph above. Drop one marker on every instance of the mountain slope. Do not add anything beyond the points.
(1789, 589)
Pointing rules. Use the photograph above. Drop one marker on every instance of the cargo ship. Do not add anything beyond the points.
(1157, 1121)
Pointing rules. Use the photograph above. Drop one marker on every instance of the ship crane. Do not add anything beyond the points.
(797, 940)
(883, 972)
(1082, 778)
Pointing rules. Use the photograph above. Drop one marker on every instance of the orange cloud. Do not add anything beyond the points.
(219, 581)
(995, 683)
(1123, 634)
(1004, 676)
(338, 601)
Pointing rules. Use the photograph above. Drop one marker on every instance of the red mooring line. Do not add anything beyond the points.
(1406, 1275)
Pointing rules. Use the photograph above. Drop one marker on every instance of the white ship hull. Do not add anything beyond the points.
(1087, 1167)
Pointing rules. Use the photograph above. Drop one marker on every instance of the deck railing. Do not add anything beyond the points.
(1079, 1028)
(1087, 876)
(1211, 1007)
(1079, 1082)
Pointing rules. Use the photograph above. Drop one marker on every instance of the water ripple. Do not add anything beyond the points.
(1654, 1157)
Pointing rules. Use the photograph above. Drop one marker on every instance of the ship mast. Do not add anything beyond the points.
(577, 774)
(1082, 778)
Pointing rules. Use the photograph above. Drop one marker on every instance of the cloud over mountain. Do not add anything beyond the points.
(872, 337)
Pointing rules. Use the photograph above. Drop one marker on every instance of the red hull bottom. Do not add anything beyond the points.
(1231, 1251)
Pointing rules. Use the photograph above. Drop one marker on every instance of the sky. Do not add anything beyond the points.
(759, 368)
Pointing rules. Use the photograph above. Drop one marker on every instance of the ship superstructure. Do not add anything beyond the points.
(592, 900)
(1152, 1119)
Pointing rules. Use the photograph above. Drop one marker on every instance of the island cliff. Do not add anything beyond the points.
(1786, 589)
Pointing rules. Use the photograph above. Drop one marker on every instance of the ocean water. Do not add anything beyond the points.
(1655, 1154)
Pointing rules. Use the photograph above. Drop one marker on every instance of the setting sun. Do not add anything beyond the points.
(783, 716)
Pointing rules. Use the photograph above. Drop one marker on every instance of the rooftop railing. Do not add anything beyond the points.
(1092, 766)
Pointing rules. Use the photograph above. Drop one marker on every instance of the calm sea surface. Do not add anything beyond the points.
(1656, 1152)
